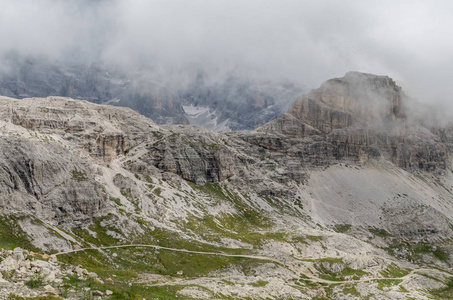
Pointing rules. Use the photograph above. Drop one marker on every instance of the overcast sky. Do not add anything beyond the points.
(306, 41)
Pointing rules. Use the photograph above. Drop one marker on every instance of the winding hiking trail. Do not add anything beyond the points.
(306, 272)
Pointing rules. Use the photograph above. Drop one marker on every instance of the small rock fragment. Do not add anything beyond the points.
(97, 293)
(18, 254)
(50, 290)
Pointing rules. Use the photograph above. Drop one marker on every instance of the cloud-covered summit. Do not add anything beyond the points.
(305, 41)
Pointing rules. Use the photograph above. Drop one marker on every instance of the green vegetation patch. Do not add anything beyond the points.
(102, 238)
(95, 261)
(129, 262)
(15, 297)
(151, 292)
(134, 200)
(328, 274)
(403, 289)
(259, 283)
(35, 281)
(158, 191)
(247, 224)
(194, 265)
(350, 290)
(306, 239)
(213, 189)
(446, 292)
(242, 226)
(120, 289)
(388, 283)
(170, 239)
(79, 175)
(12, 235)
(116, 200)
(415, 251)
(342, 228)
(379, 232)
(394, 271)
(139, 291)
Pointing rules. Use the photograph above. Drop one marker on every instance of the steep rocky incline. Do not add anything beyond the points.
(44, 145)
(45, 179)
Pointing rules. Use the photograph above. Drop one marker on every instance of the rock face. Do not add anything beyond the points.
(103, 132)
(46, 170)
(196, 156)
(361, 116)
(47, 180)
(351, 120)
(354, 98)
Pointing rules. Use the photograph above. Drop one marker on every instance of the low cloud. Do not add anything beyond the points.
(305, 41)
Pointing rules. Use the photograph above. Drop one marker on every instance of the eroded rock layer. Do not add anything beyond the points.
(357, 117)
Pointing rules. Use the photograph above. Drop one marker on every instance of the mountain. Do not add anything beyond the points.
(236, 103)
(345, 196)
(228, 103)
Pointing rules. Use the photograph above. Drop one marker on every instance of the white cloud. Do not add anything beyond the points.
(308, 41)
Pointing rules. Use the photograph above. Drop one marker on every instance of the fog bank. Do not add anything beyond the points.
(304, 41)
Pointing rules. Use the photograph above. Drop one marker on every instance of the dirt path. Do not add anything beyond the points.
(296, 269)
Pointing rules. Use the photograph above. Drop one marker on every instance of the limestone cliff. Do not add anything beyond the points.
(45, 179)
(361, 116)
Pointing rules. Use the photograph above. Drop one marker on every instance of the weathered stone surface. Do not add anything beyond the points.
(50, 290)
(291, 126)
(18, 254)
(198, 156)
(358, 117)
(319, 115)
(104, 132)
(9, 264)
(46, 178)
(97, 293)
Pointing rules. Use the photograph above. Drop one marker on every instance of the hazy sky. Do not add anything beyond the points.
(307, 41)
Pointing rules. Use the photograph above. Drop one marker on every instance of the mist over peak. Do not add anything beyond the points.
(305, 42)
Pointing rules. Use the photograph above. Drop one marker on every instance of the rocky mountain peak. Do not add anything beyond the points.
(363, 94)
(360, 116)
(356, 98)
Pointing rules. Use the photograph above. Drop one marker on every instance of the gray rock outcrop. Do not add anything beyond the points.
(357, 117)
